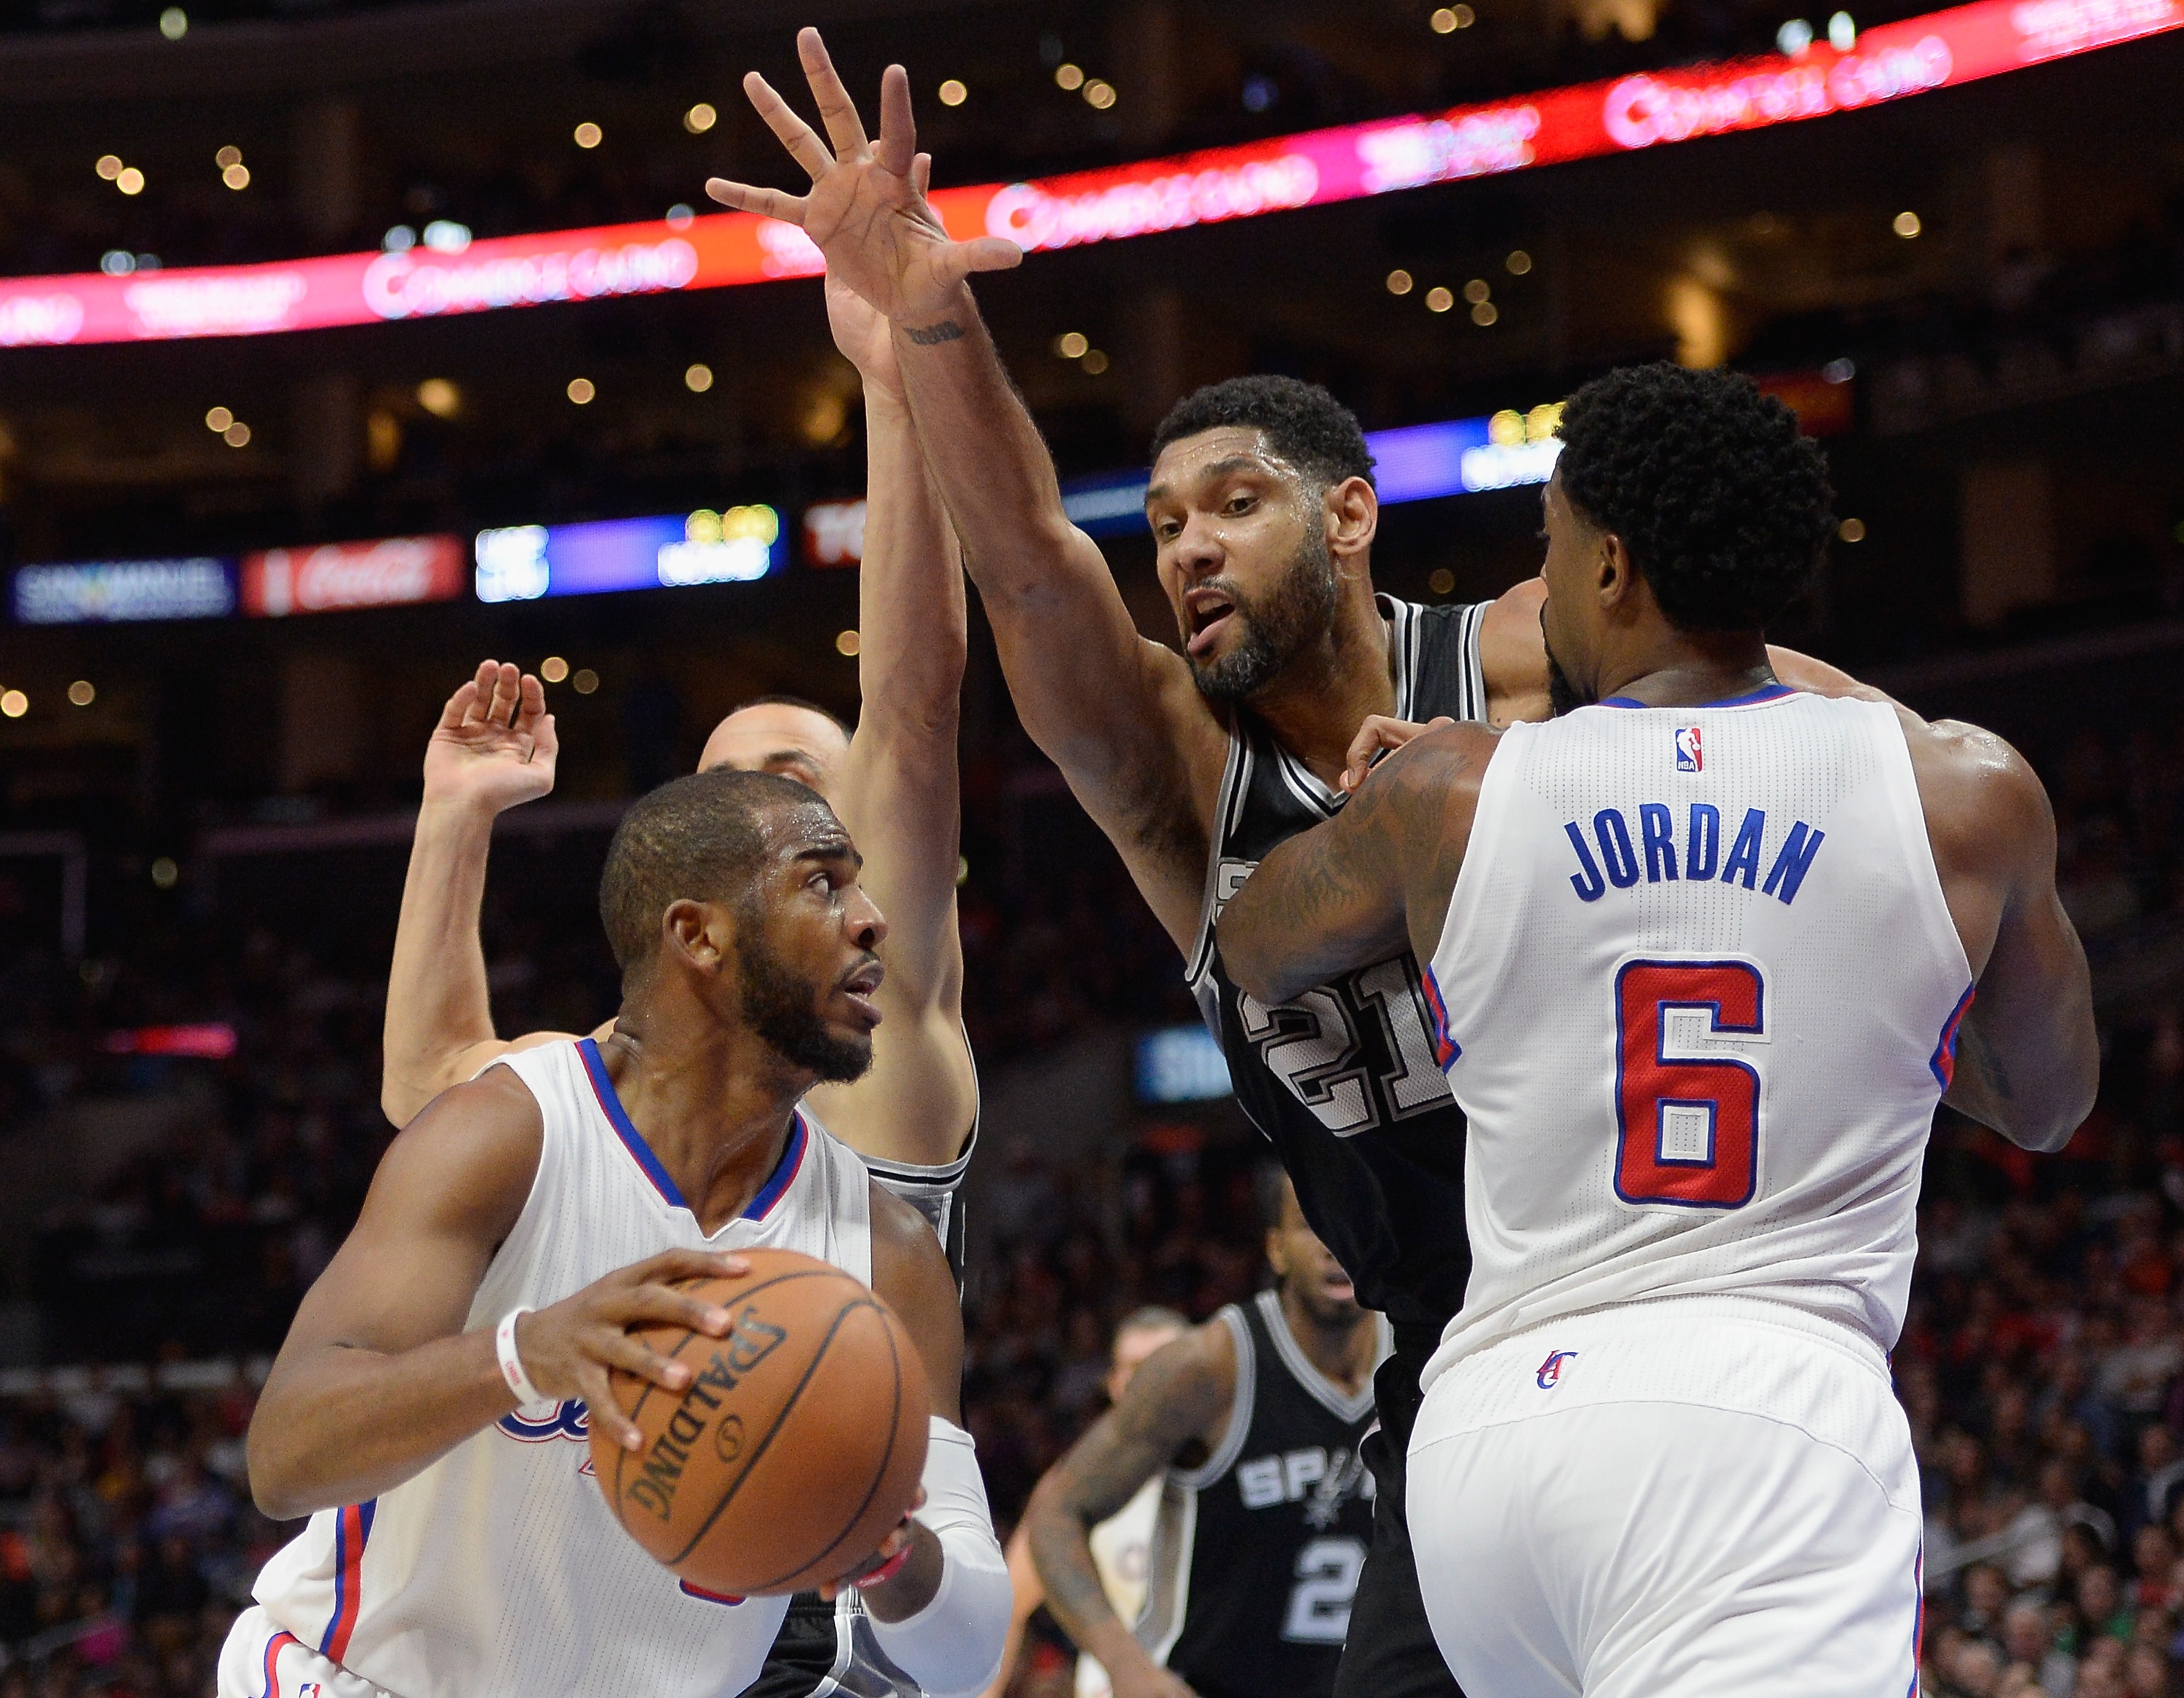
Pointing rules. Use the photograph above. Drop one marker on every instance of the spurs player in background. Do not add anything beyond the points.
(893, 782)
(458, 1547)
(1703, 952)
(1122, 1545)
(1262, 511)
(1249, 1427)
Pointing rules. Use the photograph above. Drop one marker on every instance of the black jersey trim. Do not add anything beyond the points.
(1240, 1409)
(1406, 643)
(1170, 1556)
(1235, 788)
(1350, 1407)
(1405, 634)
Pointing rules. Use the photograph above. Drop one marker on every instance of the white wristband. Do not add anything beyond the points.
(511, 1365)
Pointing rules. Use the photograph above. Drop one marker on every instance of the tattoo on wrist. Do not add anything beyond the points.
(934, 334)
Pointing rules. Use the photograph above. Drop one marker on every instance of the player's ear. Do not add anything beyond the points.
(700, 933)
(1277, 1253)
(1353, 515)
(1618, 571)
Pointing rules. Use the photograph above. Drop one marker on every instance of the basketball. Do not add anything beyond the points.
(796, 1446)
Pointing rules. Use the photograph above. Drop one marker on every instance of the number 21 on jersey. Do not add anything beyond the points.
(1687, 1104)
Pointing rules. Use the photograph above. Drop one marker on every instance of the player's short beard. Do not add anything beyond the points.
(1563, 696)
(1298, 609)
(1325, 1310)
(784, 1010)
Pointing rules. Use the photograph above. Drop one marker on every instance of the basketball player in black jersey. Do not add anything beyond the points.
(1257, 1419)
(1197, 763)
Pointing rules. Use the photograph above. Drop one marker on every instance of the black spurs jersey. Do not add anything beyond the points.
(1344, 1081)
(1256, 1553)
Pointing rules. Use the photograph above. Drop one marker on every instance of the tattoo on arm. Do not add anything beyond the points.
(931, 335)
(1343, 889)
(1170, 1403)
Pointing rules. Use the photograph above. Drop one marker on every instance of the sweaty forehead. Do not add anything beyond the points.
(1191, 461)
(806, 827)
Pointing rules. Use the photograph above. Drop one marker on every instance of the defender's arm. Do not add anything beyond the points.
(899, 790)
(1183, 1392)
(1118, 714)
(493, 749)
(1369, 883)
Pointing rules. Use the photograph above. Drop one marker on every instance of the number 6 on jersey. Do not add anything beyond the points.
(1687, 1126)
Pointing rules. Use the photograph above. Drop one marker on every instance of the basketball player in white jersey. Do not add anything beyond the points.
(1194, 757)
(1703, 952)
(459, 1545)
(893, 782)
(1120, 1544)
(1248, 1428)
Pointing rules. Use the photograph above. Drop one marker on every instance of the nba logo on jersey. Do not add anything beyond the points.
(1550, 1372)
(1689, 759)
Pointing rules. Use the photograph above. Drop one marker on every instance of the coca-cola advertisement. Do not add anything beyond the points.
(390, 572)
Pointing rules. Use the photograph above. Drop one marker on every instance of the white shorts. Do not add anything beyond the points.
(1692, 1498)
(262, 1659)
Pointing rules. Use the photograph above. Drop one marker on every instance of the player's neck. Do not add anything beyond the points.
(1342, 1350)
(1324, 694)
(1687, 669)
(715, 1106)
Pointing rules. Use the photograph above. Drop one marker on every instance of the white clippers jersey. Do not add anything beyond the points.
(499, 1571)
(1698, 992)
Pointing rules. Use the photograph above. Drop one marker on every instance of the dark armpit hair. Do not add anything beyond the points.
(702, 838)
(1300, 422)
(1724, 506)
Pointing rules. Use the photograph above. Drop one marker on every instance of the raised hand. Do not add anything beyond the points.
(495, 745)
(866, 210)
(864, 336)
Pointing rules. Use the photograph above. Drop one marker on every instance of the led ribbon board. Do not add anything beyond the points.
(1412, 463)
(1317, 168)
(522, 563)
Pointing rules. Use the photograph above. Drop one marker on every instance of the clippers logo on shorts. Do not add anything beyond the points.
(1690, 758)
(1550, 1372)
(750, 1342)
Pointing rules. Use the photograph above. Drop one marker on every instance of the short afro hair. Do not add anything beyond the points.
(700, 838)
(1300, 422)
(1724, 506)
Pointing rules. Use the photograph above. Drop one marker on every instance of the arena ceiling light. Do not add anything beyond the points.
(1887, 62)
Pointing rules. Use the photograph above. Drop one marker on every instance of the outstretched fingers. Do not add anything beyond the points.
(801, 140)
(767, 202)
(836, 111)
(507, 694)
(462, 707)
(981, 253)
(898, 148)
